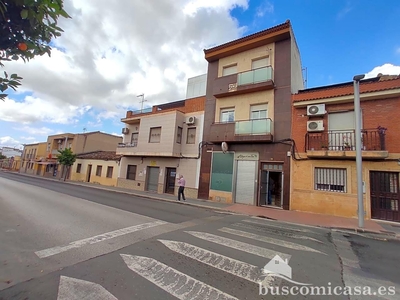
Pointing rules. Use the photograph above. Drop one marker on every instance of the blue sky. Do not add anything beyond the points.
(100, 65)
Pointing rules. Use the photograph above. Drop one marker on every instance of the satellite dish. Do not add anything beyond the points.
(224, 147)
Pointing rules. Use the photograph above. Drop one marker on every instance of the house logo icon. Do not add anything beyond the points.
(278, 267)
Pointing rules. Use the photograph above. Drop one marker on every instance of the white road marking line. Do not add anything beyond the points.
(261, 238)
(96, 239)
(267, 223)
(221, 262)
(288, 223)
(288, 234)
(172, 281)
(76, 289)
(263, 252)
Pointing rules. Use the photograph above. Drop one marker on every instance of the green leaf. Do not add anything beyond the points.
(14, 76)
(24, 13)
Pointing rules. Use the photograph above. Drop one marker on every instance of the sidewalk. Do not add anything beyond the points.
(303, 218)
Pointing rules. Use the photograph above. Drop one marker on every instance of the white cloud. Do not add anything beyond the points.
(342, 13)
(28, 138)
(43, 131)
(264, 8)
(135, 47)
(9, 141)
(386, 69)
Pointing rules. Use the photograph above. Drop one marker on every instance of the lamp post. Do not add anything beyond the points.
(357, 109)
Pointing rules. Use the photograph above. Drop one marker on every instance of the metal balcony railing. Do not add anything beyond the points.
(253, 127)
(255, 76)
(344, 140)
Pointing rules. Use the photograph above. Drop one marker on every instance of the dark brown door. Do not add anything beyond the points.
(89, 172)
(170, 178)
(385, 196)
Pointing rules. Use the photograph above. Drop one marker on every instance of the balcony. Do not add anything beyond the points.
(148, 149)
(245, 82)
(259, 130)
(341, 144)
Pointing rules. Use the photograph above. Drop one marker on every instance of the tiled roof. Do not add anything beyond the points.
(376, 84)
(250, 37)
(100, 155)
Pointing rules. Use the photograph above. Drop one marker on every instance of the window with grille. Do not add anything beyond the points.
(109, 172)
(131, 172)
(191, 136)
(179, 135)
(78, 168)
(98, 170)
(155, 135)
(330, 179)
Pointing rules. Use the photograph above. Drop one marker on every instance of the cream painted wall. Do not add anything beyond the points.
(305, 198)
(93, 178)
(244, 59)
(242, 104)
(168, 146)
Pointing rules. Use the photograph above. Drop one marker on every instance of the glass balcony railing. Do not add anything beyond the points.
(255, 76)
(253, 127)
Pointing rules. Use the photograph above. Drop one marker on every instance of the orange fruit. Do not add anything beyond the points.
(22, 46)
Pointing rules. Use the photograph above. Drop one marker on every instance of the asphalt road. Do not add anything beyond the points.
(62, 241)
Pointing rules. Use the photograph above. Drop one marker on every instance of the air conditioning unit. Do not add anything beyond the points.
(316, 110)
(190, 120)
(125, 130)
(315, 126)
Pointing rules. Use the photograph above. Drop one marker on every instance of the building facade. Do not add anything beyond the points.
(247, 122)
(324, 172)
(100, 167)
(33, 155)
(10, 152)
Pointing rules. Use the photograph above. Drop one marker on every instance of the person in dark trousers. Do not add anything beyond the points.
(181, 183)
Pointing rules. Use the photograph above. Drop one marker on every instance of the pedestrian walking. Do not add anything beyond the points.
(181, 183)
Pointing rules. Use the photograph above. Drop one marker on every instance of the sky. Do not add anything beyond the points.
(111, 51)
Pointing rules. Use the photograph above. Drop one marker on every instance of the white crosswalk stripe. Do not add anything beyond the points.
(277, 242)
(76, 289)
(245, 247)
(172, 281)
(281, 226)
(275, 230)
(97, 239)
(221, 262)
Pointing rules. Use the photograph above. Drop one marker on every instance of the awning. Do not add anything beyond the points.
(46, 163)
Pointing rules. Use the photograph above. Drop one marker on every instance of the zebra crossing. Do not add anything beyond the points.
(184, 286)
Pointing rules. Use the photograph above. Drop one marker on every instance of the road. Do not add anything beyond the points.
(62, 241)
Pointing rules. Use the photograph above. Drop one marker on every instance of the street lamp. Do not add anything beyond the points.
(357, 109)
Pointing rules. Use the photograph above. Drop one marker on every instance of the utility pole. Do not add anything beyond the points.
(357, 109)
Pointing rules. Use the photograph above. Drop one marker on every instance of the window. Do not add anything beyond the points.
(155, 135)
(98, 171)
(191, 135)
(78, 168)
(134, 139)
(229, 70)
(48, 147)
(227, 115)
(179, 135)
(109, 172)
(258, 111)
(330, 179)
(260, 63)
(131, 172)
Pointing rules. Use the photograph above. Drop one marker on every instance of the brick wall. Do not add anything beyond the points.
(381, 112)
